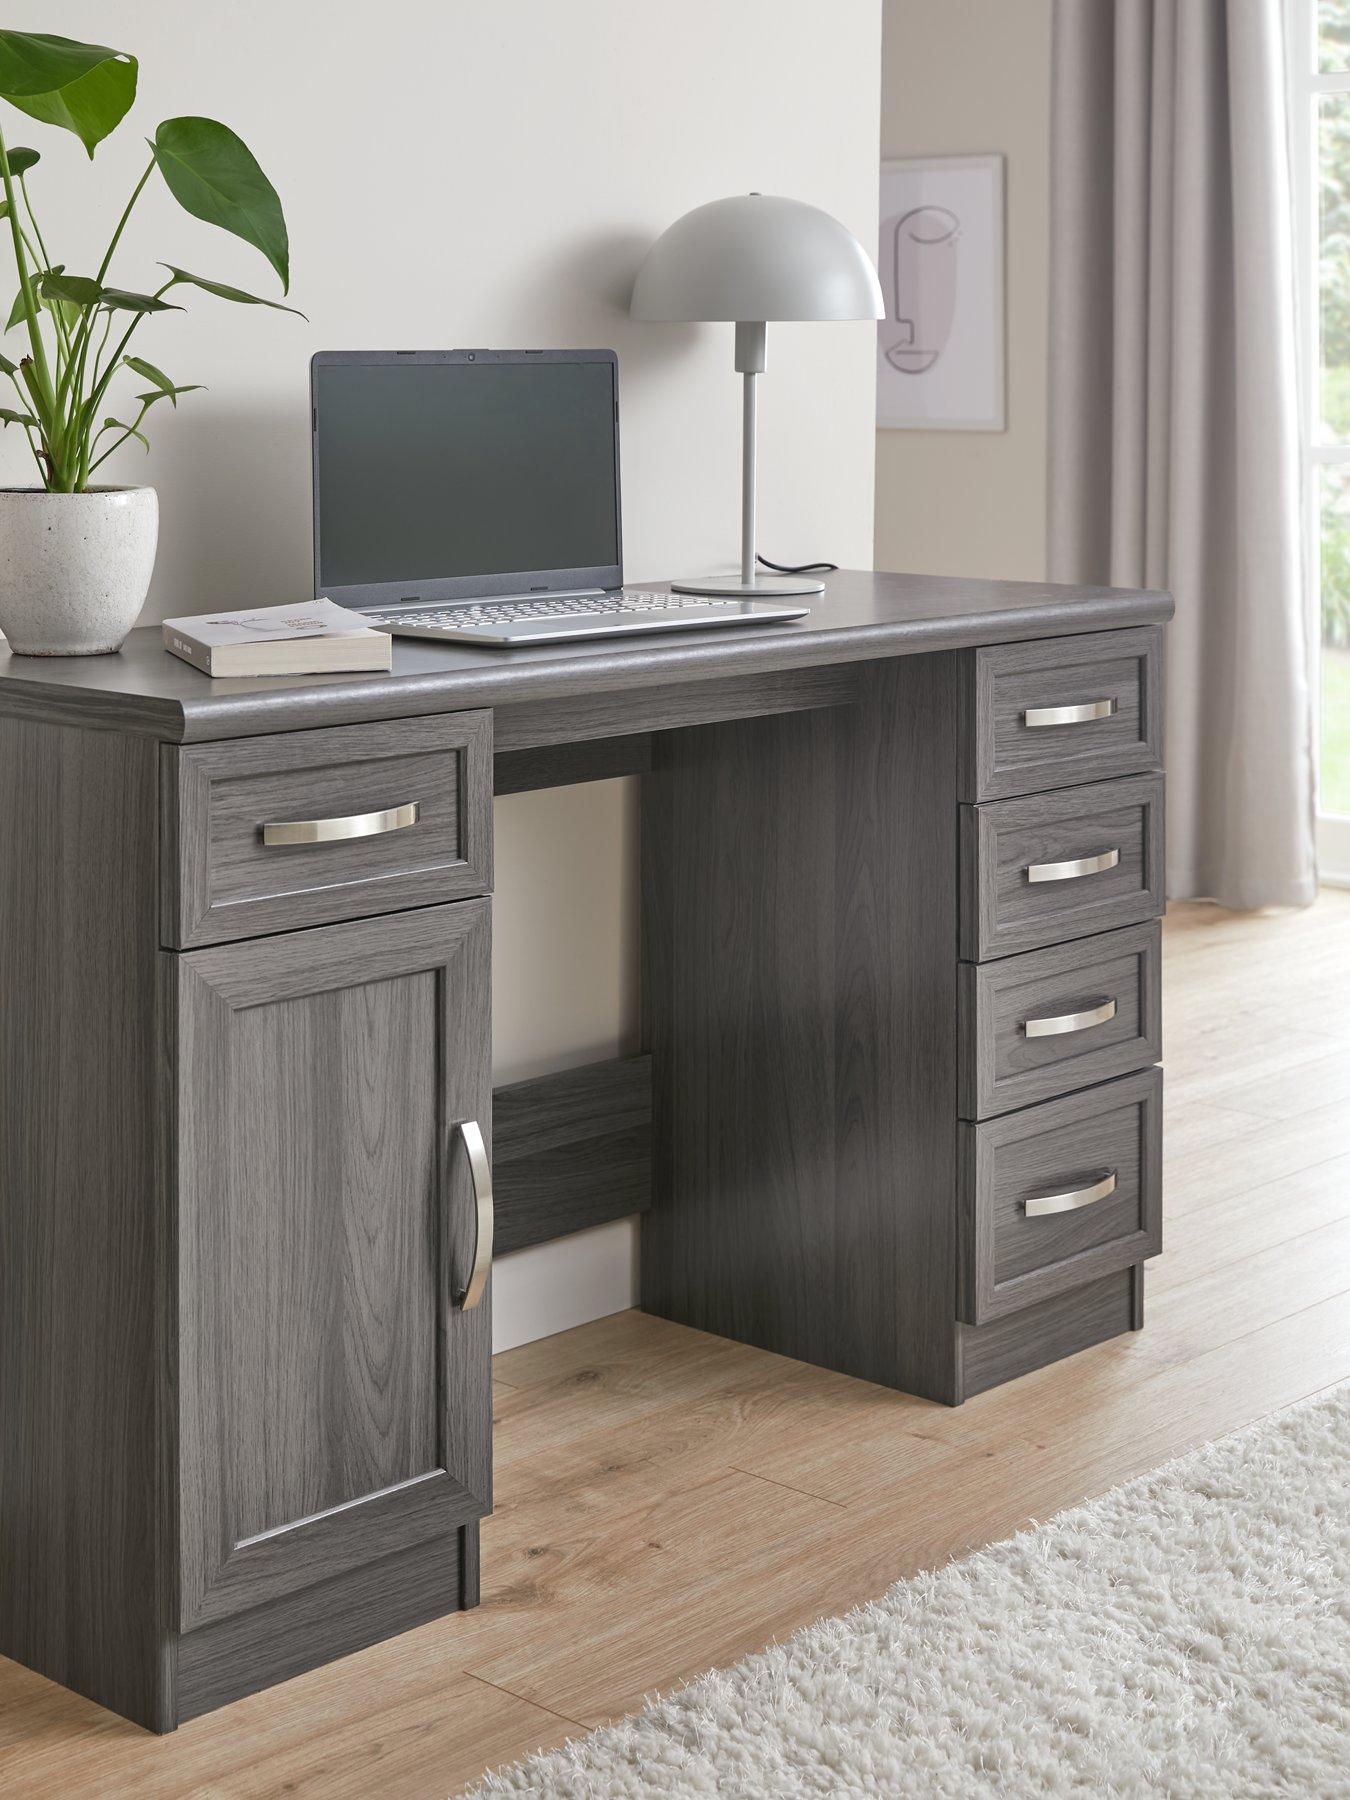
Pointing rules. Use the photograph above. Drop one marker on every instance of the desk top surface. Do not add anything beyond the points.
(860, 617)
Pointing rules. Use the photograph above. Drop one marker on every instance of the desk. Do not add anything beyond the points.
(897, 1111)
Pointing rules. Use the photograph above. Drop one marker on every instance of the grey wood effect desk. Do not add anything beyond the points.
(897, 1110)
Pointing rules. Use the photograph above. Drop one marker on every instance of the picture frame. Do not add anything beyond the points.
(940, 347)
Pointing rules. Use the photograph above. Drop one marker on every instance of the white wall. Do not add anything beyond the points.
(971, 76)
(490, 172)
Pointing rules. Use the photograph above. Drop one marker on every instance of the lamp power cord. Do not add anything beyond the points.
(812, 568)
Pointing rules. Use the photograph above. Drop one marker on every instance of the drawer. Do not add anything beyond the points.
(1059, 1194)
(306, 828)
(1049, 715)
(1037, 1025)
(1063, 865)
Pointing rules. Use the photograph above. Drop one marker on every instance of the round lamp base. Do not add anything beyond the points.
(763, 587)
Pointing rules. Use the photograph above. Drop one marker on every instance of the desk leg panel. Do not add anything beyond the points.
(84, 1374)
(799, 885)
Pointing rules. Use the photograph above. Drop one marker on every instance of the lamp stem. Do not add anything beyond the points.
(748, 436)
(750, 335)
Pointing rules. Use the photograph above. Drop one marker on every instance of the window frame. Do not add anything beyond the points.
(1306, 86)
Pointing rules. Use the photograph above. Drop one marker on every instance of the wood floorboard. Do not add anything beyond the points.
(668, 1501)
(1230, 1302)
(860, 1431)
(1294, 1092)
(1227, 1229)
(419, 1730)
(1244, 1159)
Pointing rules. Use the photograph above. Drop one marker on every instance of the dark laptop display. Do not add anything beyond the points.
(464, 473)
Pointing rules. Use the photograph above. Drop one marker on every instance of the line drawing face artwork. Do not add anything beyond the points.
(923, 280)
(940, 344)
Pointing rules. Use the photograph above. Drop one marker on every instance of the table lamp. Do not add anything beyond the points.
(752, 258)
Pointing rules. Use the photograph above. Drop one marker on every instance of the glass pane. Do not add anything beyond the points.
(1335, 757)
(1333, 184)
(1333, 36)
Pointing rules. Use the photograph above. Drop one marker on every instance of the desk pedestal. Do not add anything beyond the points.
(801, 894)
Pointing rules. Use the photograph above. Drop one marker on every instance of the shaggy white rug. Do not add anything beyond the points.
(1187, 1635)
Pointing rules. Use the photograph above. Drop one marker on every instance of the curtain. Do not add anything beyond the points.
(1174, 453)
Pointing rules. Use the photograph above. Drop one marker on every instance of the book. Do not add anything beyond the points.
(313, 637)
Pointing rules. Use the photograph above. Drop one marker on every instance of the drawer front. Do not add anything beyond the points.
(1059, 1194)
(1063, 865)
(1049, 715)
(1038, 1025)
(311, 827)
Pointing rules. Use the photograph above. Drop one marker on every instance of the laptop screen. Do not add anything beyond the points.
(430, 474)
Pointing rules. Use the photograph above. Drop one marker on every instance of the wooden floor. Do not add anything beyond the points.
(669, 1501)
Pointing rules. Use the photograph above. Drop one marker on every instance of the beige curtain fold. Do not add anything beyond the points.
(1174, 458)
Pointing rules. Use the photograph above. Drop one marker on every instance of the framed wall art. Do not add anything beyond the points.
(940, 361)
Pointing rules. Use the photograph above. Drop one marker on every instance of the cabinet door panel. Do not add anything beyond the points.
(335, 1403)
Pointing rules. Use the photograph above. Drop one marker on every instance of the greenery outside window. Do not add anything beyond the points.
(1319, 85)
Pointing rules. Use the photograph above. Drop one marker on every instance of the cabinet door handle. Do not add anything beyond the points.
(355, 825)
(1071, 871)
(1041, 1204)
(1082, 714)
(1064, 1023)
(481, 1174)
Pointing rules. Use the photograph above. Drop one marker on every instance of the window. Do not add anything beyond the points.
(1319, 74)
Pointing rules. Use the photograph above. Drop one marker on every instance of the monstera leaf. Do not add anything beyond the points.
(85, 88)
(215, 176)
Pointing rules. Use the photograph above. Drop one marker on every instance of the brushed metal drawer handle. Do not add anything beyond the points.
(356, 825)
(481, 1174)
(1082, 714)
(1063, 1023)
(1042, 1204)
(1071, 871)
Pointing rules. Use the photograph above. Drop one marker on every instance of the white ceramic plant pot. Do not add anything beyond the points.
(74, 568)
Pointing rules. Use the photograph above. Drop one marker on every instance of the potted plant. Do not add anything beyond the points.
(76, 556)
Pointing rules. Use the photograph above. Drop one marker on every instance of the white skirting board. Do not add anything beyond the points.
(551, 1287)
(565, 992)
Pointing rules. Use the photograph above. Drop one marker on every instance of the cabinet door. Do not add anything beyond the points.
(334, 1393)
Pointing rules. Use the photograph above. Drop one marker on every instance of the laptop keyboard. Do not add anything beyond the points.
(631, 600)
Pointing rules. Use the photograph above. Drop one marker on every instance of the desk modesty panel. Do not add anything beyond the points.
(250, 1187)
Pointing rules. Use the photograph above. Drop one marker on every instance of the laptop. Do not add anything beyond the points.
(472, 496)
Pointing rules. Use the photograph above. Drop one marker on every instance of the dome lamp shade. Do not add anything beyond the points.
(757, 257)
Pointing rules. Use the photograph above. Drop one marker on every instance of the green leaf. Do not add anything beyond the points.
(18, 311)
(6, 366)
(215, 176)
(148, 372)
(84, 88)
(193, 387)
(222, 292)
(10, 417)
(165, 389)
(121, 301)
(130, 430)
(21, 160)
(79, 290)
